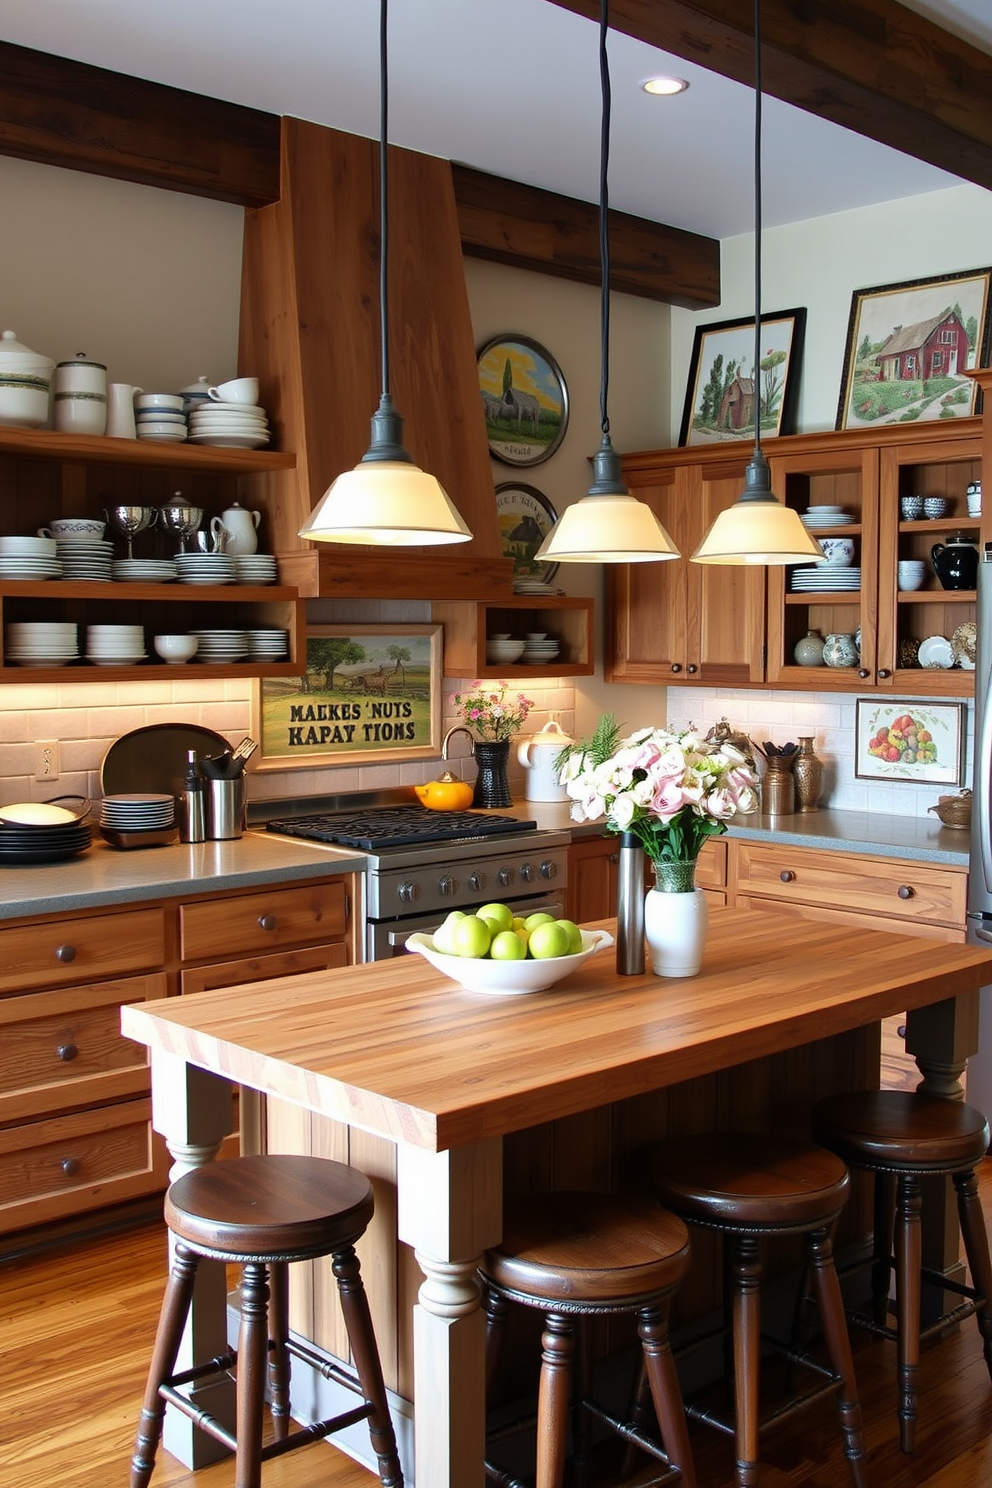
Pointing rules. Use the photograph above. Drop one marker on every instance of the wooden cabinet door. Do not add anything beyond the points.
(592, 878)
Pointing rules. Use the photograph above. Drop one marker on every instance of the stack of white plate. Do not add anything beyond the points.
(232, 425)
(825, 578)
(255, 568)
(85, 560)
(221, 645)
(137, 811)
(29, 558)
(826, 516)
(115, 645)
(165, 421)
(268, 645)
(541, 652)
(40, 643)
(145, 570)
(531, 586)
(205, 568)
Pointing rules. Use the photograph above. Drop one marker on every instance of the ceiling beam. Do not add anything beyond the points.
(873, 66)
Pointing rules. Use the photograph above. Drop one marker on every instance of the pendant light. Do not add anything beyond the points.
(607, 525)
(386, 500)
(758, 528)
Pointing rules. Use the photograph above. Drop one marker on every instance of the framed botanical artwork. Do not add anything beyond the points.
(369, 693)
(909, 347)
(901, 739)
(720, 393)
(525, 518)
(524, 398)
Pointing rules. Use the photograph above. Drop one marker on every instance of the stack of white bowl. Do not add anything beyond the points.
(540, 648)
(231, 417)
(160, 416)
(255, 568)
(268, 645)
(220, 646)
(29, 558)
(501, 650)
(115, 645)
(39, 643)
(205, 568)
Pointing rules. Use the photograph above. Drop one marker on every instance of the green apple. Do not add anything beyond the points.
(444, 936)
(574, 936)
(495, 926)
(507, 946)
(541, 918)
(498, 912)
(472, 937)
(548, 940)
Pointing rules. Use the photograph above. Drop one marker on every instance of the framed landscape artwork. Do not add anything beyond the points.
(369, 693)
(720, 394)
(909, 347)
(524, 398)
(902, 739)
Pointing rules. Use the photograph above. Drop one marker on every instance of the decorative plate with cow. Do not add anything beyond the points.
(525, 518)
(524, 398)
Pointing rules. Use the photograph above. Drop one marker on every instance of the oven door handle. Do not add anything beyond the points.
(399, 937)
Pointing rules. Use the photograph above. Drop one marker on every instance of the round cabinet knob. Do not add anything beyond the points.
(476, 882)
(692, 669)
(267, 922)
(446, 886)
(864, 673)
(905, 892)
(409, 891)
(885, 674)
(70, 1166)
(504, 877)
(614, 857)
(526, 872)
(787, 875)
(549, 868)
(676, 666)
(67, 1052)
(65, 953)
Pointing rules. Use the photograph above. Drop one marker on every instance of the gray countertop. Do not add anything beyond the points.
(104, 876)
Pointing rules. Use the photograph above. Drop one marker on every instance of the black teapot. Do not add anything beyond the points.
(955, 563)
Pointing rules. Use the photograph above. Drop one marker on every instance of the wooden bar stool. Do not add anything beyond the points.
(265, 1212)
(578, 1255)
(748, 1187)
(900, 1137)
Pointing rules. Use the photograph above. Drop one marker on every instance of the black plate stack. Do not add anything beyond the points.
(49, 842)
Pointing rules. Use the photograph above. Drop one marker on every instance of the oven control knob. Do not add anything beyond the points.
(476, 882)
(409, 891)
(549, 868)
(504, 877)
(526, 872)
(446, 886)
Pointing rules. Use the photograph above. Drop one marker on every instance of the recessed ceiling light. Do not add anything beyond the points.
(665, 87)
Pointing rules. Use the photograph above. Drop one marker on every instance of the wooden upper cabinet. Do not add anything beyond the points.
(678, 621)
(310, 329)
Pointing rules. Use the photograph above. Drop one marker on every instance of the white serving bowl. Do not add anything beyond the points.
(173, 402)
(508, 978)
(176, 648)
(500, 651)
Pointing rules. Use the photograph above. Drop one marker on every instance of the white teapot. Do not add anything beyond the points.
(241, 527)
(537, 754)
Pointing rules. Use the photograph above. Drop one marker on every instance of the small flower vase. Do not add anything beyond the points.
(675, 920)
(492, 787)
(630, 907)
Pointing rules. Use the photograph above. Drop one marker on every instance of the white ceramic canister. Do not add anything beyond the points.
(25, 380)
(242, 529)
(80, 396)
(537, 754)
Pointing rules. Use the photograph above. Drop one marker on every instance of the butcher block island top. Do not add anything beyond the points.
(400, 1050)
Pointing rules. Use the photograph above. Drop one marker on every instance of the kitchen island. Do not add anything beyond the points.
(396, 1050)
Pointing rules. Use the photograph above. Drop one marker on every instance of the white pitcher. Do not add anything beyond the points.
(537, 754)
(120, 410)
(242, 529)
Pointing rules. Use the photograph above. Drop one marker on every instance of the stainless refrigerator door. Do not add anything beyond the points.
(979, 1077)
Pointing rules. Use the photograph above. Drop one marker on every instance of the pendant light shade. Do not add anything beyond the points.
(758, 528)
(607, 525)
(386, 500)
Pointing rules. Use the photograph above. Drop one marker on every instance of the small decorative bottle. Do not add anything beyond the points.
(807, 775)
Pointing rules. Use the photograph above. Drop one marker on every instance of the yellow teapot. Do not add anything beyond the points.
(447, 793)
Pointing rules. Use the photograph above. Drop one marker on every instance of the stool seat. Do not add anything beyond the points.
(574, 1255)
(743, 1182)
(896, 1129)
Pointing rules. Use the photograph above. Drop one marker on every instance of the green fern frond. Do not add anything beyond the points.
(599, 748)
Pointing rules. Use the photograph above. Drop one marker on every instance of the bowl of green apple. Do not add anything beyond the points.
(493, 950)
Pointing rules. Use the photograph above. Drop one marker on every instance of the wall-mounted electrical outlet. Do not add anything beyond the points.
(46, 759)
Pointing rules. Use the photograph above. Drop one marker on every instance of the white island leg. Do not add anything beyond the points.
(450, 1211)
(193, 1111)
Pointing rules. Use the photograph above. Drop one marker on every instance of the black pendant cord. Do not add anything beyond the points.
(604, 212)
(384, 193)
(756, 393)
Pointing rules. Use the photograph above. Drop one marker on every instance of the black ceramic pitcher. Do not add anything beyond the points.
(955, 563)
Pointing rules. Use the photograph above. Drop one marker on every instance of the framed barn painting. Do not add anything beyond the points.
(909, 347)
(524, 398)
(720, 394)
(370, 693)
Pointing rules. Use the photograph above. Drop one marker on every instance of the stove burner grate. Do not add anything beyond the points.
(398, 826)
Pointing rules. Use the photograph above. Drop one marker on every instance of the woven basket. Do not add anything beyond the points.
(954, 811)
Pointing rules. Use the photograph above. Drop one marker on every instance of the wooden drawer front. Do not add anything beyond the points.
(263, 922)
(52, 1168)
(65, 1048)
(848, 881)
(261, 968)
(925, 929)
(54, 952)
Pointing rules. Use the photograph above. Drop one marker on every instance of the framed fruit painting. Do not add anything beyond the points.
(902, 739)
